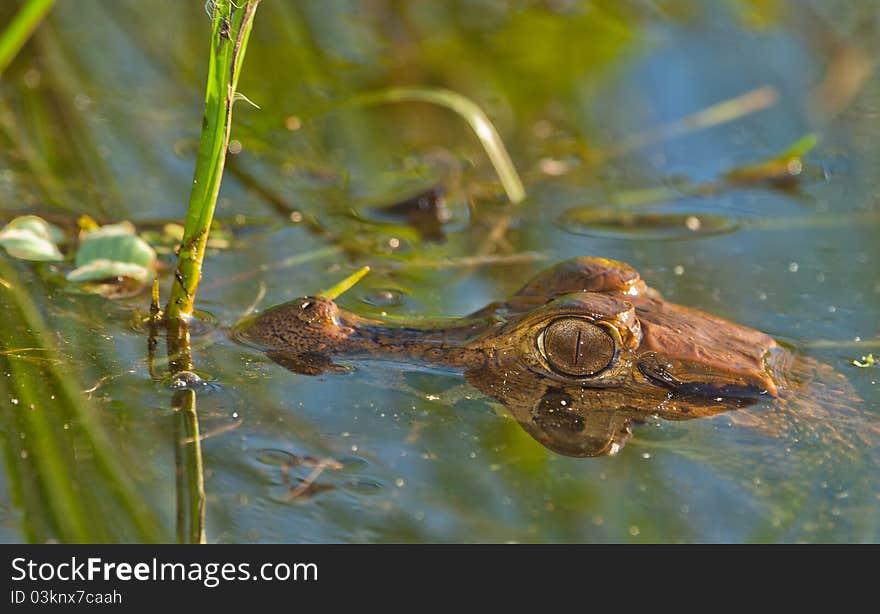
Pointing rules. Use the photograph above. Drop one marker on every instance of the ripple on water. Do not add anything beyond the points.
(364, 486)
(656, 226)
(202, 323)
(384, 297)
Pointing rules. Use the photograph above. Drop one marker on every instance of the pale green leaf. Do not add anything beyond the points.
(102, 268)
(113, 251)
(32, 238)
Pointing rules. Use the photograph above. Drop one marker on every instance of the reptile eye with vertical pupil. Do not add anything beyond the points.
(577, 347)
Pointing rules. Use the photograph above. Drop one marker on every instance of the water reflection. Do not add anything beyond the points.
(426, 212)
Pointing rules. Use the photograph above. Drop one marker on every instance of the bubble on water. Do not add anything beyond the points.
(293, 123)
(384, 297)
(81, 102)
(186, 380)
(32, 78)
(554, 167)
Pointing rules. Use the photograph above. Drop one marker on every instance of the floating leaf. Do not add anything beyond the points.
(866, 361)
(113, 251)
(32, 238)
(103, 268)
(781, 169)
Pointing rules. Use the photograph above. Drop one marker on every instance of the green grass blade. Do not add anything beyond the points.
(345, 285)
(20, 29)
(230, 34)
(472, 114)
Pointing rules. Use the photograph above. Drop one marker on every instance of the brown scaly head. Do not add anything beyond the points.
(590, 348)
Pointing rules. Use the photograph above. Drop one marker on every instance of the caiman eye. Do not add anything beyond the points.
(577, 347)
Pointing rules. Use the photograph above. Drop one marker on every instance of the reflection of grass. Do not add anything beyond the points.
(20, 28)
(780, 172)
(54, 191)
(64, 472)
(189, 470)
(714, 115)
(232, 28)
(472, 114)
(190, 476)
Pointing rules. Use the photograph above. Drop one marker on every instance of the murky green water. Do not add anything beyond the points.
(101, 113)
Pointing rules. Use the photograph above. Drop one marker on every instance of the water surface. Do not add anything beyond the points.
(581, 97)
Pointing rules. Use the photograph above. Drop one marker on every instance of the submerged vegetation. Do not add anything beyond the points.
(343, 158)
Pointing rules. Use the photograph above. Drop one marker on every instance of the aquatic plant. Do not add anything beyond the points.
(229, 38)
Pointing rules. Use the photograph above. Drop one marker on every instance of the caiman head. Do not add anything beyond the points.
(586, 348)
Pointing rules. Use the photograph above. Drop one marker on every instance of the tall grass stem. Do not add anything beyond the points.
(232, 25)
(19, 30)
(472, 114)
